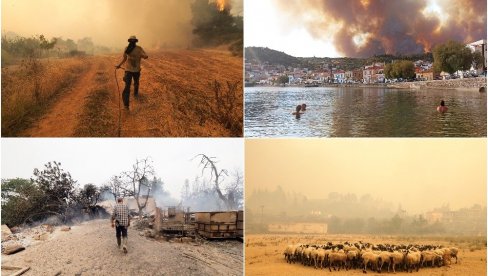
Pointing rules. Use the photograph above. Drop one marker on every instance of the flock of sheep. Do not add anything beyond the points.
(374, 256)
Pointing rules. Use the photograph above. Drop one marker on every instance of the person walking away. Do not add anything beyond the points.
(133, 54)
(121, 221)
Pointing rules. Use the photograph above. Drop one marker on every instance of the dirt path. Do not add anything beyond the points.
(62, 119)
(90, 249)
(175, 98)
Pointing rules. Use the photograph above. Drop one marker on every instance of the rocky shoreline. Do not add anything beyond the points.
(474, 84)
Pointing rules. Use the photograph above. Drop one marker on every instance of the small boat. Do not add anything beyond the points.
(311, 85)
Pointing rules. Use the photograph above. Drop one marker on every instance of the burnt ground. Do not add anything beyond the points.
(90, 249)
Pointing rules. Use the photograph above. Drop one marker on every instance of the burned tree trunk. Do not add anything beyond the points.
(217, 176)
(138, 184)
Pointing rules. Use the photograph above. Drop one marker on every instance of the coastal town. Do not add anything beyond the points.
(320, 72)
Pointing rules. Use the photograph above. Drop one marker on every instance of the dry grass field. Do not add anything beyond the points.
(264, 254)
(183, 93)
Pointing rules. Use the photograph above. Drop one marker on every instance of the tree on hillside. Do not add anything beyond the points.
(136, 182)
(58, 189)
(89, 196)
(283, 79)
(46, 45)
(400, 69)
(20, 199)
(116, 187)
(451, 57)
(478, 61)
(263, 55)
(213, 26)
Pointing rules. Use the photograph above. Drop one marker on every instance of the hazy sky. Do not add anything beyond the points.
(265, 26)
(361, 28)
(420, 174)
(108, 22)
(96, 160)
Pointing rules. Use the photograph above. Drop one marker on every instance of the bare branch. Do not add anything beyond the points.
(215, 174)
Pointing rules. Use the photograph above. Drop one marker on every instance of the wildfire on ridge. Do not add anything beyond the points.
(221, 4)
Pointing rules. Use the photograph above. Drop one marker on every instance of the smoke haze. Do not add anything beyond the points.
(110, 23)
(418, 174)
(368, 27)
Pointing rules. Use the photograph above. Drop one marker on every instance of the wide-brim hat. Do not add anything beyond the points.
(132, 38)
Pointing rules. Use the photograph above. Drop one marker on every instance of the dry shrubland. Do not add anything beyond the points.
(30, 88)
(182, 93)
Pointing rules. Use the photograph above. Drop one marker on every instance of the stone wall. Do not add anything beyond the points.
(467, 83)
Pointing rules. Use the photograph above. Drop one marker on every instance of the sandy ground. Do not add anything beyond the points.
(90, 249)
(264, 256)
(176, 97)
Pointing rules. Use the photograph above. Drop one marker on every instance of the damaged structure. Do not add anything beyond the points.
(210, 225)
(179, 221)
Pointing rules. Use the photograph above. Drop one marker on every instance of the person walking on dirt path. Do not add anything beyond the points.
(133, 55)
(121, 221)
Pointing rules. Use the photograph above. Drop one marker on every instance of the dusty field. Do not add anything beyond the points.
(264, 254)
(182, 93)
(90, 249)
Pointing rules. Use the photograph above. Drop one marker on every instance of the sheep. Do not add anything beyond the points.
(412, 260)
(290, 253)
(384, 258)
(306, 256)
(396, 258)
(298, 253)
(313, 255)
(370, 258)
(338, 258)
(430, 256)
(366, 255)
(446, 256)
(320, 257)
(454, 252)
(352, 258)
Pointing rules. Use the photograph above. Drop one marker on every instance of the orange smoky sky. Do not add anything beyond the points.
(362, 28)
(156, 23)
(418, 174)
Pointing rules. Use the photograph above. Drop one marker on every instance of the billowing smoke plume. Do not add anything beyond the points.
(362, 28)
(156, 23)
(159, 24)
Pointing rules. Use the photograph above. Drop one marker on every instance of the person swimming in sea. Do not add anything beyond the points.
(297, 113)
(442, 107)
(304, 107)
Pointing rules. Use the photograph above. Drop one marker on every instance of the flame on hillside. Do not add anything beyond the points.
(221, 4)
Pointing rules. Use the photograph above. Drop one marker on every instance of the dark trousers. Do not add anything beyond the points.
(120, 230)
(128, 80)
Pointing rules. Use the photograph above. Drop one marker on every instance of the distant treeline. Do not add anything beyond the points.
(262, 55)
(285, 204)
(15, 48)
(265, 54)
(350, 214)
